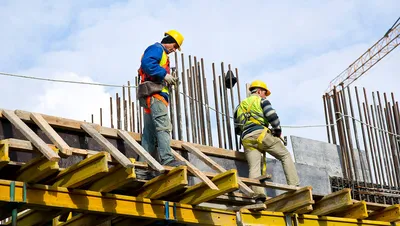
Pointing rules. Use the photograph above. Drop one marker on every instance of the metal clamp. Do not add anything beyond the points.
(289, 217)
(15, 205)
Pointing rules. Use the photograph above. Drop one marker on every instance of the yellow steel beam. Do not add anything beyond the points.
(82, 172)
(389, 214)
(43, 196)
(37, 169)
(165, 184)
(226, 182)
(117, 177)
(87, 219)
(335, 202)
(33, 217)
(269, 218)
(4, 157)
(291, 201)
(357, 210)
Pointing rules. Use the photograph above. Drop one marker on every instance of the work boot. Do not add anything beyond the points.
(260, 198)
(175, 163)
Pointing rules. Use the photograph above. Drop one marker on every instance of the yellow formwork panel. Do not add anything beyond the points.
(43, 196)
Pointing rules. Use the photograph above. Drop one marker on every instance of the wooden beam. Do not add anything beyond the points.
(334, 202)
(37, 169)
(389, 214)
(291, 201)
(4, 156)
(165, 184)
(51, 134)
(82, 172)
(122, 159)
(117, 177)
(244, 188)
(193, 169)
(226, 182)
(356, 211)
(254, 207)
(31, 136)
(141, 151)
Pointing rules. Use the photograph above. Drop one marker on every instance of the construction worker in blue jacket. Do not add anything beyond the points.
(155, 69)
(253, 116)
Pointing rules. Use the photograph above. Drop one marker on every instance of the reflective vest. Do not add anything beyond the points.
(164, 63)
(249, 112)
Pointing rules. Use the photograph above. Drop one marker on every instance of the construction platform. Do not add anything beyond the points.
(56, 171)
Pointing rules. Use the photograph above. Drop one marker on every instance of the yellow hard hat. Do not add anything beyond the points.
(177, 36)
(259, 84)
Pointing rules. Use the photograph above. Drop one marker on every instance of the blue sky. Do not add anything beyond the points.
(296, 47)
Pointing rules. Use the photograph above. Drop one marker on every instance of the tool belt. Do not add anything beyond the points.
(148, 88)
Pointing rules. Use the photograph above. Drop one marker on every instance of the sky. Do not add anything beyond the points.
(296, 47)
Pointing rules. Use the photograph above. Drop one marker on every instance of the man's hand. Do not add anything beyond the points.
(171, 80)
(276, 132)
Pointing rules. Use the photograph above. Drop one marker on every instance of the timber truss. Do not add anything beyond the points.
(102, 184)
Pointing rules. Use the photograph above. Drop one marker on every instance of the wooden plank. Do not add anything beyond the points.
(141, 151)
(122, 159)
(51, 134)
(34, 217)
(165, 184)
(226, 182)
(389, 214)
(244, 188)
(193, 169)
(356, 211)
(291, 201)
(31, 136)
(117, 177)
(82, 172)
(334, 202)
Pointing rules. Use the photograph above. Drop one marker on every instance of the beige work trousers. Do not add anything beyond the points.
(274, 147)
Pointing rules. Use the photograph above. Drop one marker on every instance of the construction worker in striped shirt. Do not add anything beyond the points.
(253, 116)
(153, 95)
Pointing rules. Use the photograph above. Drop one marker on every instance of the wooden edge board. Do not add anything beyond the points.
(71, 124)
(31, 136)
(193, 169)
(51, 134)
(357, 210)
(389, 214)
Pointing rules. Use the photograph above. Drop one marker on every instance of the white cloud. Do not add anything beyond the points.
(296, 47)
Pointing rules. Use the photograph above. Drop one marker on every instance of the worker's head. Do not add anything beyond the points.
(260, 88)
(172, 41)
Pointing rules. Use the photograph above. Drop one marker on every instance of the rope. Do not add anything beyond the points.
(186, 95)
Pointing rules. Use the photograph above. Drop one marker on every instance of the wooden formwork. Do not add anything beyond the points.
(103, 185)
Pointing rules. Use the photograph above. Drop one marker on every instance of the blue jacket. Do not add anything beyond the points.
(150, 62)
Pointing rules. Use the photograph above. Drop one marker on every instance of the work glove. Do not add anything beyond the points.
(171, 80)
(276, 132)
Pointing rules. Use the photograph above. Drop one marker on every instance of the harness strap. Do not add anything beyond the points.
(148, 102)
